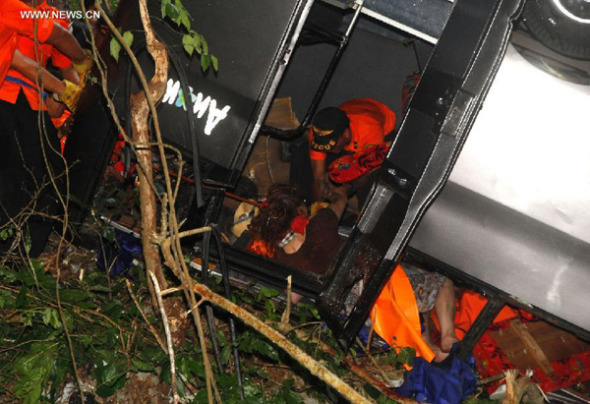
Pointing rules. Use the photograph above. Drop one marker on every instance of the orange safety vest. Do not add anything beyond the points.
(13, 21)
(10, 90)
(395, 316)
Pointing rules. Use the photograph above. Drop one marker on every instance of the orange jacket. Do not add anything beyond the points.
(9, 90)
(13, 22)
(395, 316)
(370, 122)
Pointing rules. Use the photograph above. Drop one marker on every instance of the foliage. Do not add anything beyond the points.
(397, 358)
(111, 340)
(5, 234)
(34, 350)
(115, 45)
(192, 41)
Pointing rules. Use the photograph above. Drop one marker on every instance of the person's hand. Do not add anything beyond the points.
(83, 68)
(54, 109)
(71, 95)
(334, 192)
(66, 128)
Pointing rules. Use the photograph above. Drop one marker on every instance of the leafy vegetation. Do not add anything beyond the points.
(111, 342)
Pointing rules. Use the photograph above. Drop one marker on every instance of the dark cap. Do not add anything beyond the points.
(327, 127)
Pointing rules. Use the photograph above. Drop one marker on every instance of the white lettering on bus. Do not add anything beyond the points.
(201, 104)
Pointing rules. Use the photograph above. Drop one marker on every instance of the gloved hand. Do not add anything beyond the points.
(85, 67)
(71, 95)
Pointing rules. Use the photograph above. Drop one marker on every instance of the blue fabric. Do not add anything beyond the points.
(117, 258)
(449, 382)
(24, 84)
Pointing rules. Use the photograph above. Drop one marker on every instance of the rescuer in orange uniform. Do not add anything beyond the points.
(15, 82)
(26, 152)
(13, 22)
(356, 127)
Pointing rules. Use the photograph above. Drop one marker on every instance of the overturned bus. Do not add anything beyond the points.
(487, 180)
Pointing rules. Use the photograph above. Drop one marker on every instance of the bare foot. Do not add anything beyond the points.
(446, 342)
(439, 355)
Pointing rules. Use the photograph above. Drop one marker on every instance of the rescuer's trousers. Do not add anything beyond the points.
(29, 157)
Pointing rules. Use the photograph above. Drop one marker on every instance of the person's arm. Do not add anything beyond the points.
(65, 42)
(70, 74)
(29, 68)
(338, 196)
(318, 187)
(68, 92)
(45, 30)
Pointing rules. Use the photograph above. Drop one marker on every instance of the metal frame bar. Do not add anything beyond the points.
(342, 42)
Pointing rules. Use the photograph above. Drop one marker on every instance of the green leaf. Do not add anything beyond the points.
(406, 356)
(107, 390)
(6, 299)
(115, 48)
(215, 63)
(305, 310)
(260, 372)
(205, 61)
(163, 8)
(184, 20)
(205, 45)
(33, 370)
(114, 309)
(22, 299)
(270, 307)
(266, 349)
(51, 317)
(197, 42)
(8, 275)
(268, 292)
(141, 366)
(101, 289)
(128, 37)
(28, 321)
(172, 12)
(251, 343)
(110, 374)
(77, 297)
(287, 395)
(187, 42)
(46, 316)
(226, 381)
(6, 233)
(190, 367)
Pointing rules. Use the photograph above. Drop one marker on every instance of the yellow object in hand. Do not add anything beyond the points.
(71, 95)
(84, 68)
(317, 206)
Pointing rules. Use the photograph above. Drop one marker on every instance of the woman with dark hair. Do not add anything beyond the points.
(284, 230)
